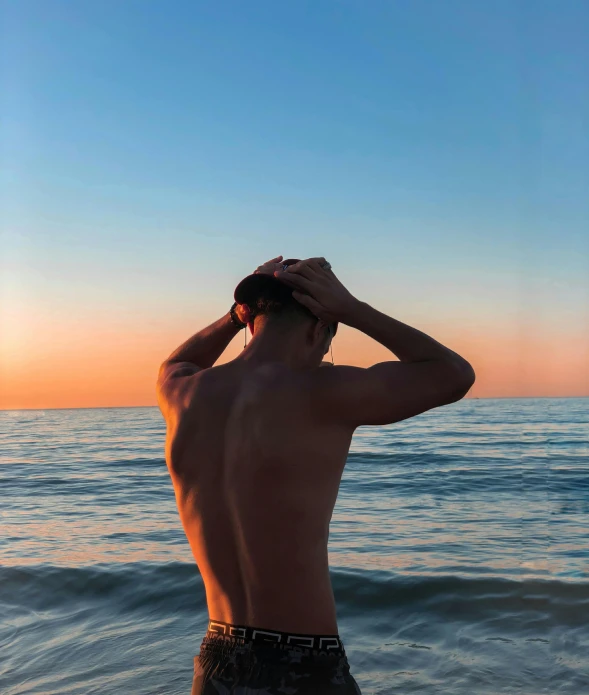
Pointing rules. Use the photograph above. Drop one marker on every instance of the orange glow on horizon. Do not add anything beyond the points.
(77, 366)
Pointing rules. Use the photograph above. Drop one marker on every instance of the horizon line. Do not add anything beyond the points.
(129, 407)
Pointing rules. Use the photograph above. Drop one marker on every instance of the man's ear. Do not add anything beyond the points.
(244, 313)
(321, 326)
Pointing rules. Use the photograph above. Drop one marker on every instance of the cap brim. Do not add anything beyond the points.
(253, 286)
(258, 284)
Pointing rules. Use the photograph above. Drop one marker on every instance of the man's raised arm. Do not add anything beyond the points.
(427, 375)
(205, 347)
(201, 351)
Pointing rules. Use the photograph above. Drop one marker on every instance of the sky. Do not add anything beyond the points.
(154, 153)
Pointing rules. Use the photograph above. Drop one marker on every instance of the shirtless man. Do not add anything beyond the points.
(256, 449)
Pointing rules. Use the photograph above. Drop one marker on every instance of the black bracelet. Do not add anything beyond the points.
(234, 318)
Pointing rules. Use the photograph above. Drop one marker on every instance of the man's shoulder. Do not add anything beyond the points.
(260, 381)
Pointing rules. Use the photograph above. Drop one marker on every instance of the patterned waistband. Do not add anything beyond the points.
(257, 635)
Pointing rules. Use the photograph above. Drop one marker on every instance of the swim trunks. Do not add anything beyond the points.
(245, 660)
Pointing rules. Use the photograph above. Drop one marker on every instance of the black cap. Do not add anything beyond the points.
(260, 285)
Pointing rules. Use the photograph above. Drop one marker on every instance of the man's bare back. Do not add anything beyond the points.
(256, 473)
(256, 449)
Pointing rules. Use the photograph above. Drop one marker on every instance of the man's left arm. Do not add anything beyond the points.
(201, 351)
(205, 347)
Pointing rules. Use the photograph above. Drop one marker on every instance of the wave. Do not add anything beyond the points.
(104, 459)
(453, 597)
(176, 587)
(403, 474)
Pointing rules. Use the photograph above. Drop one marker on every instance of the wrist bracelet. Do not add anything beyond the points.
(235, 319)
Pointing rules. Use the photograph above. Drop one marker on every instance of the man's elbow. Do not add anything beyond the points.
(176, 368)
(465, 378)
(162, 371)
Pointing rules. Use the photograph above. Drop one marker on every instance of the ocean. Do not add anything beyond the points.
(459, 553)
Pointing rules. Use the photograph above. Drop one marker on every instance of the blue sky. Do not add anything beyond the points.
(436, 152)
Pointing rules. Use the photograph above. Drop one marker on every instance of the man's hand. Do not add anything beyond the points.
(269, 267)
(318, 289)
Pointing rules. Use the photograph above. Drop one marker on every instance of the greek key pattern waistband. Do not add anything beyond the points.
(326, 643)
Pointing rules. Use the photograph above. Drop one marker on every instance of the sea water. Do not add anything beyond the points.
(459, 553)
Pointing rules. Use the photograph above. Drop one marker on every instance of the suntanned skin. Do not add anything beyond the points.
(256, 447)
(256, 483)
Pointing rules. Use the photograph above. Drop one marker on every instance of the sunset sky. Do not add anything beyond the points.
(154, 153)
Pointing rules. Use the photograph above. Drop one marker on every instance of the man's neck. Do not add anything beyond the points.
(275, 342)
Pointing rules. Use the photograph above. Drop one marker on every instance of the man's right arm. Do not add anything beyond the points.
(427, 375)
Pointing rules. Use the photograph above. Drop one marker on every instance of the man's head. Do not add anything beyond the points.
(273, 310)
